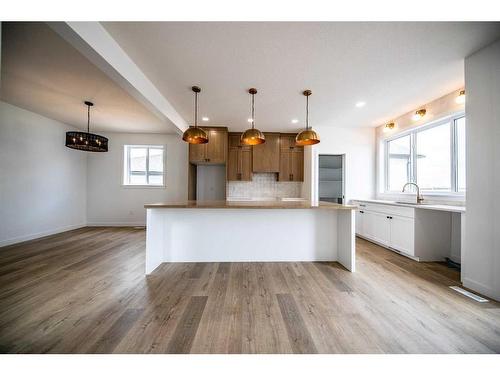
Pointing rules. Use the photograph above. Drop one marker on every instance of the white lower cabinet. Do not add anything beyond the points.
(403, 234)
(388, 228)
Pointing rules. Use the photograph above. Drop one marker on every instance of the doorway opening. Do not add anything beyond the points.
(331, 186)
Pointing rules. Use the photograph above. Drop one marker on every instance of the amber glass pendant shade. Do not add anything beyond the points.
(195, 135)
(307, 137)
(252, 136)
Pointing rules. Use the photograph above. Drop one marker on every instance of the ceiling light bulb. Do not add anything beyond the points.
(460, 99)
(419, 114)
(389, 126)
(294, 121)
(360, 104)
(205, 119)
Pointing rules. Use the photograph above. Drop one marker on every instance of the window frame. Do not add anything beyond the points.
(452, 121)
(126, 172)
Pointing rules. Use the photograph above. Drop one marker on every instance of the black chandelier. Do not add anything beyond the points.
(87, 141)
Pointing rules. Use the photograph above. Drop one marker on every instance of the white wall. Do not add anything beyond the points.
(358, 145)
(481, 256)
(42, 182)
(110, 203)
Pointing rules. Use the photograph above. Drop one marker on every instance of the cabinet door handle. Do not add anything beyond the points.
(362, 205)
(361, 212)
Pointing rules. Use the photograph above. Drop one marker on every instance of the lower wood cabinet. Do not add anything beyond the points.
(239, 161)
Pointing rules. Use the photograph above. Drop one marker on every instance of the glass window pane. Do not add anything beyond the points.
(434, 159)
(399, 162)
(155, 160)
(138, 159)
(460, 127)
(137, 179)
(155, 179)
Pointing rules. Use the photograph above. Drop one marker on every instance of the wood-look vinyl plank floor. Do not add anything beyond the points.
(85, 291)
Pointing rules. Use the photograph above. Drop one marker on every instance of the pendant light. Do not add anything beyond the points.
(252, 136)
(194, 134)
(87, 141)
(307, 136)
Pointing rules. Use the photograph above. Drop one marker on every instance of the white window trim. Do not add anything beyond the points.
(454, 193)
(125, 163)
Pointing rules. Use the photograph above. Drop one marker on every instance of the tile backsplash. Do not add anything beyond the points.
(263, 185)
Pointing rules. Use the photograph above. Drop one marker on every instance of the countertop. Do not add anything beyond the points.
(251, 205)
(425, 206)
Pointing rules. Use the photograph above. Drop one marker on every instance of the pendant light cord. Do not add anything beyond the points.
(307, 112)
(195, 109)
(88, 118)
(253, 111)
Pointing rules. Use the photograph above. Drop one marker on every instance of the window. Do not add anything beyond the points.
(144, 165)
(432, 156)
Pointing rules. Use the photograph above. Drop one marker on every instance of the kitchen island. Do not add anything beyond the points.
(249, 231)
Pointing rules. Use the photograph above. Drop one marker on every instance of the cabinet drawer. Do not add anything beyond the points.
(387, 209)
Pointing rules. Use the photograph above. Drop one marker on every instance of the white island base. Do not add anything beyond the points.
(232, 232)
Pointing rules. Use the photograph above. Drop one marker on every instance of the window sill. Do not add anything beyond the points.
(144, 186)
(432, 196)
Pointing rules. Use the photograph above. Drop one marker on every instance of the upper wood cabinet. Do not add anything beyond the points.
(291, 159)
(239, 161)
(213, 152)
(266, 156)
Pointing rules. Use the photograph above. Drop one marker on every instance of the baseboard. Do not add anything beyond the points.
(34, 236)
(417, 259)
(116, 224)
(479, 288)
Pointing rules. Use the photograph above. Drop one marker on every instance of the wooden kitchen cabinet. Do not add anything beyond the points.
(265, 157)
(213, 152)
(291, 159)
(239, 161)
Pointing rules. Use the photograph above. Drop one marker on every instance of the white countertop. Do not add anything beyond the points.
(425, 206)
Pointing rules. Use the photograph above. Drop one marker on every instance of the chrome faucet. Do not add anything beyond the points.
(419, 197)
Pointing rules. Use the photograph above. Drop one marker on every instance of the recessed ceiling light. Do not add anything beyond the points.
(294, 121)
(205, 119)
(250, 120)
(360, 104)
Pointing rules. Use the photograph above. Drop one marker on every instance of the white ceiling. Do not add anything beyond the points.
(393, 67)
(41, 72)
